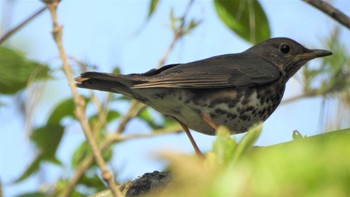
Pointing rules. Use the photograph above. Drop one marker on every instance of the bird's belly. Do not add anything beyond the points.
(237, 110)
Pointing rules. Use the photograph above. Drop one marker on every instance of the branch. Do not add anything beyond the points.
(153, 133)
(330, 11)
(79, 102)
(87, 162)
(134, 110)
(19, 26)
(178, 33)
(292, 99)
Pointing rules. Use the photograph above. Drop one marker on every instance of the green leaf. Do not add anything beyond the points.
(63, 109)
(248, 140)
(246, 18)
(80, 153)
(16, 71)
(191, 26)
(84, 150)
(92, 181)
(146, 116)
(112, 115)
(297, 135)
(33, 194)
(47, 139)
(224, 145)
(31, 169)
(152, 7)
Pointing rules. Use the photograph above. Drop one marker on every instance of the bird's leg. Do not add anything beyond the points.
(195, 147)
(209, 121)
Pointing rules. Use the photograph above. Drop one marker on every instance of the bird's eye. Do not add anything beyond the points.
(285, 48)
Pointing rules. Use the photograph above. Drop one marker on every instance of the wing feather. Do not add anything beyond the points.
(233, 70)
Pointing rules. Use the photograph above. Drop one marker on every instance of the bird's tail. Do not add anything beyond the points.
(105, 82)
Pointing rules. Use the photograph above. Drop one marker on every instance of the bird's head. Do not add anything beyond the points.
(288, 55)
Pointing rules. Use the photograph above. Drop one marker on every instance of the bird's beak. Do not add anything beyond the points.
(313, 53)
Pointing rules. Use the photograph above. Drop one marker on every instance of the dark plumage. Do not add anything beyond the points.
(234, 90)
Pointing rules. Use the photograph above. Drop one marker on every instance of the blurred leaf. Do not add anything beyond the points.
(191, 26)
(169, 122)
(146, 116)
(111, 115)
(152, 7)
(313, 166)
(80, 153)
(47, 139)
(92, 181)
(297, 135)
(33, 194)
(246, 18)
(63, 109)
(248, 140)
(224, 145)
(84, 150)
(16, 71)
(33, 168)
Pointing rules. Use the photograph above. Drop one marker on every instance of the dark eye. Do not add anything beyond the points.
(284, 48)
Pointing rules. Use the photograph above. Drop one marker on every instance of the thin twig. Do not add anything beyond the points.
(330, 11)
(153, 133)
(134, 110)
(19, 26)
(79, 101)
(178, 33)
(292, 99)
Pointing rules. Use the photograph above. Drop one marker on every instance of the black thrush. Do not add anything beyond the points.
(234, 90)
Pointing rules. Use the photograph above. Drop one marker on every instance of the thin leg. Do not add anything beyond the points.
(187, 131)
(209, 121)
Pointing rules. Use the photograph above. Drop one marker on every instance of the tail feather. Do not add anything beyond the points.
(105, 82)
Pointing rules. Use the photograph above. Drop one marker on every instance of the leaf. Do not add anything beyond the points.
(33, 168)
(80, 153)
(146, 116)
(33, 194)
(191, 26)
(92, 181)
(223, 146)
(248, 140)
(47, 139)
(63, 109)
(112, 115)
(246, 18)
(152, 7)
(84, 150)
(16, 71)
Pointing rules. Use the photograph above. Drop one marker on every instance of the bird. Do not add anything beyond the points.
(234, 90)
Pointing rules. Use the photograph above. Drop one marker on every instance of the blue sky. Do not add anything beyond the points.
(103, 33)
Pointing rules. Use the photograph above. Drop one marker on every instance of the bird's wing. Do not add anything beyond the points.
(217, 72)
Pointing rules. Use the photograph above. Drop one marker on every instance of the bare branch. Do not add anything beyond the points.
(153, 133)
(79, 102)
(134, 109)
(330, 11)
(19, 26)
